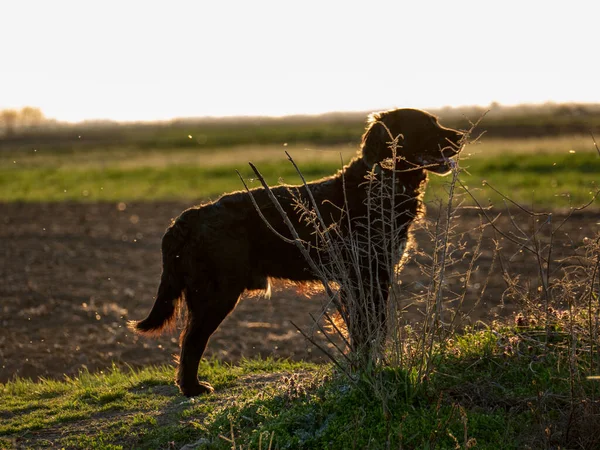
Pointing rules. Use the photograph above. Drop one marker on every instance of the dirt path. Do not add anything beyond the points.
(71, 275)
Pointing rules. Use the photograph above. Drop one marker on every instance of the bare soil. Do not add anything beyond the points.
(73, 274)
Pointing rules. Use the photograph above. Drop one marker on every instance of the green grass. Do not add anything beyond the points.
(479, 392)
(140, 183)
(541, 180)
(117, 409)
(544, 172)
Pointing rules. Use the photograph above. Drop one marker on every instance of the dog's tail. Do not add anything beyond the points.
(162, 316)
(170, 291)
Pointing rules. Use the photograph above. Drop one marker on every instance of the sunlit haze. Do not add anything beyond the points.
(134, 60)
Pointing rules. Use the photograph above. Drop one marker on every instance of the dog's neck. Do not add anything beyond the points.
(411, 179)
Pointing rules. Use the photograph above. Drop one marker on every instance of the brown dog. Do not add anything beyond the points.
(214, 252)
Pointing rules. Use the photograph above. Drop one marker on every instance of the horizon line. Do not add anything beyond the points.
(350, 112)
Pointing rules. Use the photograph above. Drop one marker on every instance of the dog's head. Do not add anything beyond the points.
(423, 142)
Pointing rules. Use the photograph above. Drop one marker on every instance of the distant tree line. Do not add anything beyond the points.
(29, 125)
(13, 120)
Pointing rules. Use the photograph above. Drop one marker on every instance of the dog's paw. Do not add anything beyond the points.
(199, 388)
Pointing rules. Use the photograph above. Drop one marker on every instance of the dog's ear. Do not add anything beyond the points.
(374, 141)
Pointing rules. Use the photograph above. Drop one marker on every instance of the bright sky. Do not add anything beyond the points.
(148, 60)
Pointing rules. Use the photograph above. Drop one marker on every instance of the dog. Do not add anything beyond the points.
(214, 252)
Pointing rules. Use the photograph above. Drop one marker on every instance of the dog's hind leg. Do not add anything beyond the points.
(205, 314)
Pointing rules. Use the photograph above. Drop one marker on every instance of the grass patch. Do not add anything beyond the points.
(543, 173)
(545, 180)
(117, 409)
(140, 183)
(480, 396)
